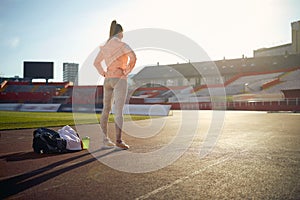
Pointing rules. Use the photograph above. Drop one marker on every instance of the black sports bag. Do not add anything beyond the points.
(48, 141)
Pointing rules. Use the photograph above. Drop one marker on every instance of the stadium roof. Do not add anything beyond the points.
(211, 68)
(175, 70)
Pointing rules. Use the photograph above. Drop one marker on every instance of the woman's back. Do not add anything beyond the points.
(115, 54)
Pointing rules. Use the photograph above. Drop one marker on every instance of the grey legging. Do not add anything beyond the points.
(114, 88)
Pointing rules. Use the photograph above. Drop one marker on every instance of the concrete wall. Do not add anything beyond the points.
(274, 51)
(292, 48)
(296, 37)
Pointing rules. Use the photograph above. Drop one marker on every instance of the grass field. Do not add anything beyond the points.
(19, 120)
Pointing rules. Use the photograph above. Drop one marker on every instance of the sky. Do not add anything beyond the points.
(70, 30)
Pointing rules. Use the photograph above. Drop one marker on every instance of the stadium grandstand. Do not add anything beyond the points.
(272, 75)
(244, 81)
(268, 81)
(28, 92)
(246, 75)
(257, 79)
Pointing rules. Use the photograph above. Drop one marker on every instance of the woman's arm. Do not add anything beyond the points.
(132, 60)
(97, 63)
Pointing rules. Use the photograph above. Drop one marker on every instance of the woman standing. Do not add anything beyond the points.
(120, 60)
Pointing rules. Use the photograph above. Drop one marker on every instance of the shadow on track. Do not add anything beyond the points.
(19, 183)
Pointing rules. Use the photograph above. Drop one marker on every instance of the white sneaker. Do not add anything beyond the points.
(107, 143)
(122, 145)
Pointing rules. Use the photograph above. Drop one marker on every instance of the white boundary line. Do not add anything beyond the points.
(165, 187)
(180, 180)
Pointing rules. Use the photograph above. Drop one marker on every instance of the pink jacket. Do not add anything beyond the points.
(116, 54)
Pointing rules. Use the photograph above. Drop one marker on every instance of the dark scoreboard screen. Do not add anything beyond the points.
(38, 70)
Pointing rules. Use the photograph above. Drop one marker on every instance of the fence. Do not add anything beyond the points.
(292, 104)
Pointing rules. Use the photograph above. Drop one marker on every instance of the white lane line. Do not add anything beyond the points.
(145, 196)
(220, 160)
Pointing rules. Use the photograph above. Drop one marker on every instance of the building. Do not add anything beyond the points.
(279, 58)
(286, 49)
(70, 72)
(212, 72)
